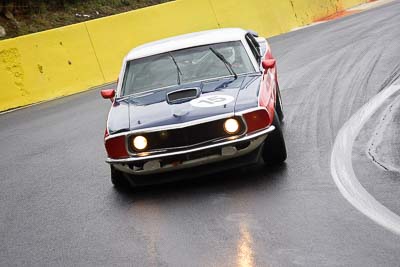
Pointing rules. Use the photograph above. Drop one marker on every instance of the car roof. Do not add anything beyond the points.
(185, 41)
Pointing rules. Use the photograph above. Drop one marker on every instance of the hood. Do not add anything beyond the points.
(216, 97)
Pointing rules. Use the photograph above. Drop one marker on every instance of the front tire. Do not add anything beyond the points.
(274, 151)
(118, 179)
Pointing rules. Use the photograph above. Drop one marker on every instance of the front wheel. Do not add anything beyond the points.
(274, 151)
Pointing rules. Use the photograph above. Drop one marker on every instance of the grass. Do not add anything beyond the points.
(43, 16)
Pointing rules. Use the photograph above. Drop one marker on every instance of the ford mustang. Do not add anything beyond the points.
(194, 104)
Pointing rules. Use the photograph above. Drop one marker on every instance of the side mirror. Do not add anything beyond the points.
(268, 63)
(108, 94)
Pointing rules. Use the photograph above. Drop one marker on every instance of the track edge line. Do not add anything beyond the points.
(342, 169)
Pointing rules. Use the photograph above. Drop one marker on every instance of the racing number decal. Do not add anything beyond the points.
(211, 101)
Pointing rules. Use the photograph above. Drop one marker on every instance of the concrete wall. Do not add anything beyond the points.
(46, 65)
(71, 59)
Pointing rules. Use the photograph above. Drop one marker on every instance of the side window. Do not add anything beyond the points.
(254, 47)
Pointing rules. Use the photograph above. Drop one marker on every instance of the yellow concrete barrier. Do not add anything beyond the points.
(71, 59)
(267, 17)
(46, 65)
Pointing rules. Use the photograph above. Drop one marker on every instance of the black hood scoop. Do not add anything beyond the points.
(183, 95)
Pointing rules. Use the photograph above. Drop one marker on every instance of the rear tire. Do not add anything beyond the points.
(274, 151)
(118, 179)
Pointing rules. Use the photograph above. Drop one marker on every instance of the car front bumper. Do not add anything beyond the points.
(147, 164)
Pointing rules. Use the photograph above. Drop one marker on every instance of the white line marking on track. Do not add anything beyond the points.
(342, 168)
(359, 8)
(369, 5)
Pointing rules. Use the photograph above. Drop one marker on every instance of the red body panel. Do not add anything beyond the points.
(116, 147)
(268, 86)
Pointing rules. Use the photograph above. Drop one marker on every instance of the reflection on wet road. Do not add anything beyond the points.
(245, 251)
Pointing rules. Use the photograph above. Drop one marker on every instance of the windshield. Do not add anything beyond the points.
(184, 66)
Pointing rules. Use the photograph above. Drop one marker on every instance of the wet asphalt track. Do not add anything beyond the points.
(57, 206)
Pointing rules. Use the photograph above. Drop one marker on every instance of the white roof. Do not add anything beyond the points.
(185, 41)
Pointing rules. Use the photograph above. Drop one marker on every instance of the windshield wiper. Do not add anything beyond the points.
(177, 68)
(223, 59)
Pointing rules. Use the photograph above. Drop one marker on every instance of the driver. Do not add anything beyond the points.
(230, 54)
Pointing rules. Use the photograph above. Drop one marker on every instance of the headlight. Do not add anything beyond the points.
(140, 142)
(231, 126)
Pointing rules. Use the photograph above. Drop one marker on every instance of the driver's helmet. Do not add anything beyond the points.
(228, 53)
